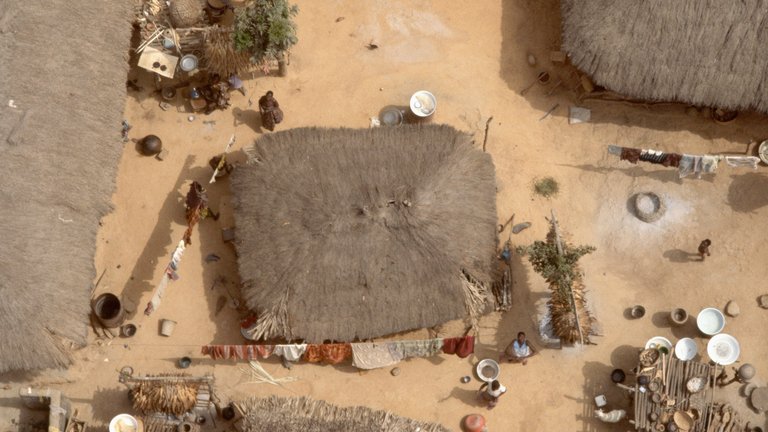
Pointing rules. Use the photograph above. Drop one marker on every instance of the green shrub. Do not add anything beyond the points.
(546, 187)
(265, 29)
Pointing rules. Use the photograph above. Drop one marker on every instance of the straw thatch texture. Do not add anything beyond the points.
(64, 66)
(701, 52)
(186, 13)
(221, 56)
(302, 414)
(346, 234)
(173, 396)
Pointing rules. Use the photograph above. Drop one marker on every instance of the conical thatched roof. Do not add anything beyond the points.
(64, 66)
(701, 52)
(346, 234)
(302, 414)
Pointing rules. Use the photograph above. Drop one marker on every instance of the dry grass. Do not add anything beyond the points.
(346, 234)
(59, 152)
(701, 52)
(302, 414)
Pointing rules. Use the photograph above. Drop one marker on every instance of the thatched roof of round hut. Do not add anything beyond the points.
(345, 234)
(62, 81)
(302, 414)
(701, 52)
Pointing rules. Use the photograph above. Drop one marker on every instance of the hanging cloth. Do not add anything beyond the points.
(372, 355)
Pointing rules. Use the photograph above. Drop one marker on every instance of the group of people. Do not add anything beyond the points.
(519, 351)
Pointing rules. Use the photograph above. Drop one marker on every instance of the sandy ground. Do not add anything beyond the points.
(472, 56)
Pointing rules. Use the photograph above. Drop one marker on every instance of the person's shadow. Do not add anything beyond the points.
(250, 117)
(681, 256)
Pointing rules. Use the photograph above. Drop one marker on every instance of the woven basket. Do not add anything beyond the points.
(186, 13)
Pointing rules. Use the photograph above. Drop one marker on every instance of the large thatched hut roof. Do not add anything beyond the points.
(701, 52)
(302, 414)
(346, 234)
(63, 65)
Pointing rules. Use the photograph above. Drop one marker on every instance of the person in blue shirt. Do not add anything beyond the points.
(519, 351)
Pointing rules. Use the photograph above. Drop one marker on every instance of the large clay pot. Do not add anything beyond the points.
(151, 145)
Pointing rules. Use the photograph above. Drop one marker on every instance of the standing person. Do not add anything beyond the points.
(704, 248)
(491, 392)
(518, 351)
(271, 114)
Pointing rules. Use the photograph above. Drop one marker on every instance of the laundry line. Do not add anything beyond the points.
(686, 164)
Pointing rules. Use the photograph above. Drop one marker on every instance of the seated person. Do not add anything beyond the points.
(518, 351)
(491, 392)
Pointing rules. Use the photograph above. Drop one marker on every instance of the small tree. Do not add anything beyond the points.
(265, 29)
(557, 262)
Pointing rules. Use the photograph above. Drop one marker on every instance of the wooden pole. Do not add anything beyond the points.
(568, 281)
(223, 159)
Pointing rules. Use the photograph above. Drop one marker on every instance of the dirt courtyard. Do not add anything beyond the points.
(473, 57)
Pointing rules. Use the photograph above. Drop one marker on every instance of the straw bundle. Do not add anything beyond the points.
(186, 13)
(167, 396)
(303, 414)
(220, 53)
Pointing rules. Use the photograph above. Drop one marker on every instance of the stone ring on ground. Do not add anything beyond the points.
(649, 207)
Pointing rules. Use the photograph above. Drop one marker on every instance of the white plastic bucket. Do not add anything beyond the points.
(167, 326)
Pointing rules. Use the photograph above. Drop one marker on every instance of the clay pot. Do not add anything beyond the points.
(678, 316)
(637, 311)
(151, 145)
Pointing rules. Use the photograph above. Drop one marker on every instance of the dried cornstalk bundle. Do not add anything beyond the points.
(167, 396)
(221, 56)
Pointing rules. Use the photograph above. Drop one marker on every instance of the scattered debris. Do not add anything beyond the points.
(509, 221)
(191, 118)
(487, 125)
(339, 19)
(212, 258)
(520, 227)
(371, 46)
(763, 301)
(162, 155)
(579, 115)
(209, 122)
(228, 234)
(165, 106)
(395, 371)
(531, 60)
(126, 128)
(557, 57)
(12, 104)
(554, 107)
(732, 309)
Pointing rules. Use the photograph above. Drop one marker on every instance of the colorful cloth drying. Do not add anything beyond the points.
(328, 353)
(238, 352)
(415, 348)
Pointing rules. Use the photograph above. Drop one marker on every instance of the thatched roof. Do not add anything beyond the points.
(701, 52)
(346, 234)
(302, 414)
(64, 66)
